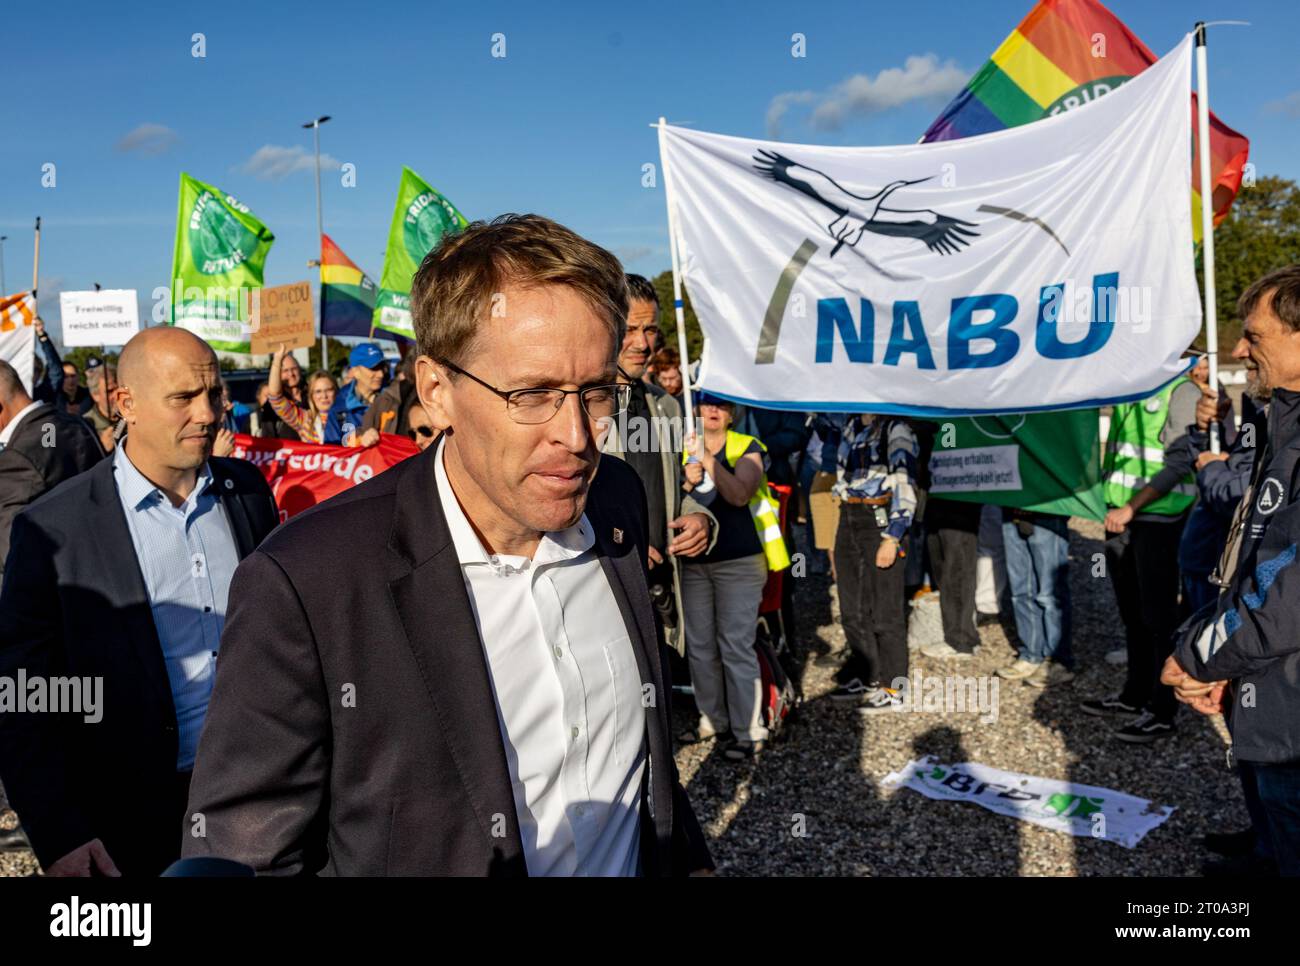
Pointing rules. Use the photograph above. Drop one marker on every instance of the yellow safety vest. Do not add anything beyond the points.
(1134, 454)
(762, 507)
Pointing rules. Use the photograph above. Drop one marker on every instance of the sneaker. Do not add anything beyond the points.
(1118, 657)
(881, 699)
(1050, 675)
(854, 692)
(943, 651)
(743, 750)
(1018, 670)
(1144, 729)
(1107, 706)
(1230, 844)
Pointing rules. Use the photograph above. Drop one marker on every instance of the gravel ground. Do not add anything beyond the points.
(828, 764)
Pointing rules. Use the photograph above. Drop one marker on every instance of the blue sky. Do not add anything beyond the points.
(116, 101)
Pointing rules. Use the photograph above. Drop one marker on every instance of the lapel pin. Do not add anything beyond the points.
(230, 484)
(618, 535)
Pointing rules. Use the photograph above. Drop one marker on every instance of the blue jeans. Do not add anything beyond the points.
(1038, 569)
(1278, 788)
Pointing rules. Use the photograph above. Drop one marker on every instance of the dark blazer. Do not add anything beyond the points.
(74, 603)
(47, 447)
(353, 729)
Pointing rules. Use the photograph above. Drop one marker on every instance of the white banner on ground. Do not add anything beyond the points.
(106, 317)
(1084, 810)
(1046, 266)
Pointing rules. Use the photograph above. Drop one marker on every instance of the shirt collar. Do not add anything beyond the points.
(137, 490)
(7, 433)
(555, 546)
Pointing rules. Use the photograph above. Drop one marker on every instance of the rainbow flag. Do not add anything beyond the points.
(347, 295)
(1064, 54)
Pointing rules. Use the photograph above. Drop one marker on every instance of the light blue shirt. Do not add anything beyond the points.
(187, 556)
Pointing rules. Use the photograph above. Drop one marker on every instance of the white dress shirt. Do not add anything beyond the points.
(568, 695)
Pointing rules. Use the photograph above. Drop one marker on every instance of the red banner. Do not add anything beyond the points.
(303, 474)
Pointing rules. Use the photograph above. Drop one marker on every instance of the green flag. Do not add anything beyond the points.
(1048, 462)
(220, 253)
(420, 220)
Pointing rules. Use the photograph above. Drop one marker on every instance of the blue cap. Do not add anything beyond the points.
(367, 355)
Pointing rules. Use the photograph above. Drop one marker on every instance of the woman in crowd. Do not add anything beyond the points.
(723, 588)
(308, 423)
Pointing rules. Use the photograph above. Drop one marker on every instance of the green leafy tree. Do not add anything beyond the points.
(663, 283)
(1260, 234)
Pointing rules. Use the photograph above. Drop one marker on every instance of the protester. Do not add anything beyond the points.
(876, 486)
(1037, 552)
(101, 383)
(365, 377)
(40, 447)
(126, 571)
(668, 372)
(784, 433)
(1241, 654)
(74, 394)
(420, 428)
(723, 588)
(496, 642)
(306, 422)
(952, 538)
(48, 386)
(388, 413)
(1149, 487)
(648, 437)
(287, 374)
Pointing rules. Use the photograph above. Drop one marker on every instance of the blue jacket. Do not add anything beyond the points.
(349, 409)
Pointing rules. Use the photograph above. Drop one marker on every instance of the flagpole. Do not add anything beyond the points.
(678, 306)
(36, 262)
(1207, 220)
(320, 243)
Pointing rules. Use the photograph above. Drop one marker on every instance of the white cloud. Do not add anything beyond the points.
(1289, 105)
(148, 139)
(922, 77)
(272, 162)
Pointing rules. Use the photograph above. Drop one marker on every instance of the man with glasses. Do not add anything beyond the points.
(483, 694)
(367, 368)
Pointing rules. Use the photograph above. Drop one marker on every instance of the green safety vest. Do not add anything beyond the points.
(1134, 454)
(762, 507)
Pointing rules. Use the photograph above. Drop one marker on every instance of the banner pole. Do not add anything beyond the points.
(678, 305)
(36, 262)
(1207, 219)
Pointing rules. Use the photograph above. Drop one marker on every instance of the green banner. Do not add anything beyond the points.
(1048, 462)
(218, 260)
(421, 218)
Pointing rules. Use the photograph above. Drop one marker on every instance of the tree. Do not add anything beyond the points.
(663, 283)
(1260, 234)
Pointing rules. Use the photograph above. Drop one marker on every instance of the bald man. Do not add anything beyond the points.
(114, 601)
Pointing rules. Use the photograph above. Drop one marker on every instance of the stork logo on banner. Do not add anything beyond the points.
(852, 216)
(856, 214)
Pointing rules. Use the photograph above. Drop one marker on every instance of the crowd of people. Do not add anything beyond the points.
(517, 606)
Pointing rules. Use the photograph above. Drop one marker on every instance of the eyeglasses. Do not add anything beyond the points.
(533, 406)
(425, 431)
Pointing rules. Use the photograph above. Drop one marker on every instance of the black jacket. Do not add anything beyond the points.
(74, 603)
(1251, 636)
(363, 595)
(47, 447)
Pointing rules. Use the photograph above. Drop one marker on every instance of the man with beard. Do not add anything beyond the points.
(648, 437)
(482, 692)
(1241, 654)
(121, 574)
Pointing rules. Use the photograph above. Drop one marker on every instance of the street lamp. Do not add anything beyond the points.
(3, 239)
(320, 231)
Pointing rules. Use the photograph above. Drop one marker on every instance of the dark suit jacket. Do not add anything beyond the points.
(74, 603)
(353, 729)
(47, 447)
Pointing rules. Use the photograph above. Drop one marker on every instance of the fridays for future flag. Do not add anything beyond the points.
(220, 253)
(421, 218)
(1041, 267)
